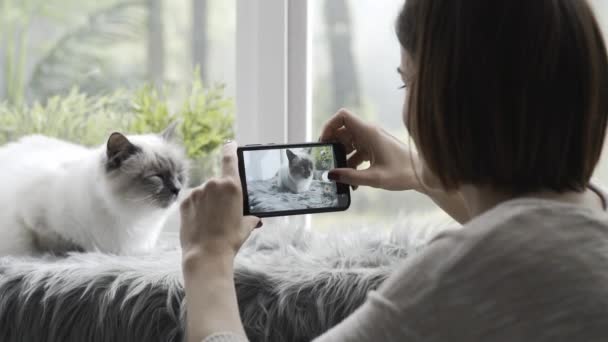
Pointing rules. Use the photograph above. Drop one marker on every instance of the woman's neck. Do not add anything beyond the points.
(481, 199)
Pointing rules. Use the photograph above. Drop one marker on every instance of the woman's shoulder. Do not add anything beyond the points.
(522, 228)
(518, 263)
(539, 221)
(516, 237)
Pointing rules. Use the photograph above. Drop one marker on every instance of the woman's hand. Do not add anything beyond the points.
(392, 163)
(213, 229)
(212, 215)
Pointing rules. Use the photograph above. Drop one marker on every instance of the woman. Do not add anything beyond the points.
(507, 107)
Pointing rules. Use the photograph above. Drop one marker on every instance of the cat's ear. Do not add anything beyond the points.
(170, 133)
(290, 155)
(118, 149)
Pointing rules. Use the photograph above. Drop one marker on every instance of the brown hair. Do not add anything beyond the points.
(506, 93)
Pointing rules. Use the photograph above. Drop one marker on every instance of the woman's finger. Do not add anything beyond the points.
(230, 161)
(356, 159)
(249, 223)
(367, 177)
(343, 118)
(345, 137)
(252, 222)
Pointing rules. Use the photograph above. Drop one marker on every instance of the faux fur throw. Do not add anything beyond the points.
(292, 285)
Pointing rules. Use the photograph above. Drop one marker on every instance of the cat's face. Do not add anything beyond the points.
(300, 165)
(146, 169)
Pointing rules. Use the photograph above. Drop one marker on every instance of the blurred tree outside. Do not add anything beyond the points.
(346, 90)
(200, 10)
(339, 85)
(16, 19)
(78, 69)
(356, 53)
(156, 42)
(49, 46)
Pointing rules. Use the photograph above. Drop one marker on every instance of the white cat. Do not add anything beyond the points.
(297, 175)
(58, 196)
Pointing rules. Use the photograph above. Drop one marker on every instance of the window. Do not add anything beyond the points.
(80, 69)
(355, 53)
(601, 10)
(282, 67)
(354, 57)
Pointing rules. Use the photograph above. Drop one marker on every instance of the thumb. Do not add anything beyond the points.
(248, 224)
(251, 222)
(354, 177)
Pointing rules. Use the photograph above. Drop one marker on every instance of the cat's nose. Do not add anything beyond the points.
(175, 190)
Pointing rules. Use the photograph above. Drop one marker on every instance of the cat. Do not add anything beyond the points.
(59, 197)
(297, 175)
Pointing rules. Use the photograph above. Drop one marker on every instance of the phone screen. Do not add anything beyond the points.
(292, 179)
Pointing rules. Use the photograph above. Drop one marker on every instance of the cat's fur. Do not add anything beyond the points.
(59, 196)
(297, 174)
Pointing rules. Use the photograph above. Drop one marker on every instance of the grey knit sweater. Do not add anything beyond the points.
(527, 270)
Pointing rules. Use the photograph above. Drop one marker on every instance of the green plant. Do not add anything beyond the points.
(150, 111)
(323, 157)
(205, 133)
(74, 117)
(205, 119)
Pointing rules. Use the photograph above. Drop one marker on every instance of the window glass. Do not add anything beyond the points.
(354, 60)
(355, 54)
(601, 11)
(80, 69)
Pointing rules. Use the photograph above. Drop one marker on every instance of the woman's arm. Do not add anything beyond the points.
(210, 297)
(212, 231)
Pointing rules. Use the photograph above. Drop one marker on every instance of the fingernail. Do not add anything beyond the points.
(259, 225)
(333, 176)
(226, 142)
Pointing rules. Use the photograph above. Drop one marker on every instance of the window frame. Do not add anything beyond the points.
(273, 71)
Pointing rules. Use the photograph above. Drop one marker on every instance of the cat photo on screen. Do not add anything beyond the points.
(290, 179)
(296, 174)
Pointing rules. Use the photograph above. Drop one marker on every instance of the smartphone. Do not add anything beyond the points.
(283, 180)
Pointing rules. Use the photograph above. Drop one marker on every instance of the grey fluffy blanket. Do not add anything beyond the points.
(292, 285)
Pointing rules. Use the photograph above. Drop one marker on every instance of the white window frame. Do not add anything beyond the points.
(273, 74)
